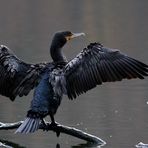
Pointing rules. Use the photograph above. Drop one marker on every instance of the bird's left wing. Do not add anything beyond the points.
(17, 78)
(97, 64)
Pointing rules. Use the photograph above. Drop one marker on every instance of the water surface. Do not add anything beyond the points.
(115, 112)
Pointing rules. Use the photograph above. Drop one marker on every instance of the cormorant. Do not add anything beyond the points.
(93, 66)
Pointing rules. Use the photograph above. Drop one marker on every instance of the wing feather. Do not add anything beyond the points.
(96, 64)
(16, 76)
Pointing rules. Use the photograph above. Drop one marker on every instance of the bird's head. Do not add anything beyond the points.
(60, 38)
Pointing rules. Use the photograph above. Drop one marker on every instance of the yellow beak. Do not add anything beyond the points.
(74, 35)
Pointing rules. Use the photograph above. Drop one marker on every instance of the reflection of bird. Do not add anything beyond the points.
(94, 65)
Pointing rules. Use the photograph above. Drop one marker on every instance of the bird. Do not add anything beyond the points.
(94, 65)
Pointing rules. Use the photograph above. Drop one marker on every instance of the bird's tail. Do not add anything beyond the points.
(30, 125)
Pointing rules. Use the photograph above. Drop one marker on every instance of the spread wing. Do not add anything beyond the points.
(16, 76)
(97, 64)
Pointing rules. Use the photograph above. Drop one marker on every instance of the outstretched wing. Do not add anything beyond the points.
(16, 76)
(97, 64)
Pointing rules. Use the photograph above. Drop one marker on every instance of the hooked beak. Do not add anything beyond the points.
(77, 34)
(74, 35)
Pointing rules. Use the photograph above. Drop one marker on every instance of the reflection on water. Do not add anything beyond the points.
(9, 144)
(87, 145)
(115, 112)
(58, 145)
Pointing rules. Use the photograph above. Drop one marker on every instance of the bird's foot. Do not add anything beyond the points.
(45, 126)
(54, 126)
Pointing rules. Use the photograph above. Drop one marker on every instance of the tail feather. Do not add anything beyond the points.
(22, 126)
(36, 126)
(30, 125)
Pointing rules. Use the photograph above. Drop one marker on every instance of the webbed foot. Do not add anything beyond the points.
(54, 126)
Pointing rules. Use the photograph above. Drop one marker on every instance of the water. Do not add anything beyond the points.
(115, 112)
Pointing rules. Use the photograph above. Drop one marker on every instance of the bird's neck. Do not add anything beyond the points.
(57, 55)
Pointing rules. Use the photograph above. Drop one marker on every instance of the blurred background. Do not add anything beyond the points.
(115, 112)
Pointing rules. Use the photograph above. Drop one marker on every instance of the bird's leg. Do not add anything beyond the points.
(43, 121)
(54, 124)
(45, 126)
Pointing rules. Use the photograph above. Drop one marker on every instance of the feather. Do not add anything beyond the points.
(17, 78)
(96, 64)
(30, 125)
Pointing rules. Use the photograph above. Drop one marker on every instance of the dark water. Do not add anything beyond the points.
(115, 112)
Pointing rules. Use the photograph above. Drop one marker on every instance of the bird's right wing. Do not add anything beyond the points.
(16, 76)
(97, 64)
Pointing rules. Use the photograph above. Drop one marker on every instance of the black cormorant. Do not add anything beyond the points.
(93, 66)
